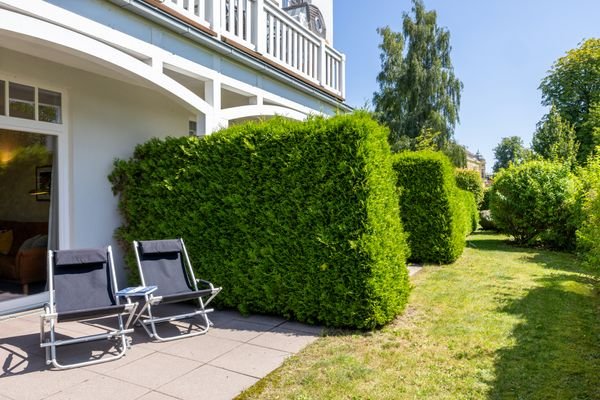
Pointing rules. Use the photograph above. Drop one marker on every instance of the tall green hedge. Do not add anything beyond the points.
(298, 219)
(436, 214)
(470, 180)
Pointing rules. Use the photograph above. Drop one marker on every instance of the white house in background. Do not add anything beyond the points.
(88, 80)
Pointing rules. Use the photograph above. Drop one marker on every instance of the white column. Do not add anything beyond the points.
(210, 122)
(259, 25)
(214, 15)
(321, 63)
(343, 77)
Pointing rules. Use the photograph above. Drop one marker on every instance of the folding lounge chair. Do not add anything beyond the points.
(82, 284)
(166, 264)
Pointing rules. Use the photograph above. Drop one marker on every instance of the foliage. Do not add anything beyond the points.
(537, 202)
(509, 151)
(435, 214)
(573, 86)
(470, 180)
(456, 153)
(555, 139)
(588, 235)
(486, 222)
(501, 323)
(417, 86)
(290, 218)
(485, 203)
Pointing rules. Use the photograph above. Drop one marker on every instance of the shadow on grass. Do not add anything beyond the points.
(556, 354)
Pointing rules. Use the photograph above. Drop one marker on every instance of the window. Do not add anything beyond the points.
(49, 106)
(193, 128)
(21, 101)
(29, 102)
(2, 98)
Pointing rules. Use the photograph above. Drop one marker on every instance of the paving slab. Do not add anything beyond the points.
(284, 340)
(236, 352)
(255, 361)
(209, 382)
(100, 387)
(154, 370)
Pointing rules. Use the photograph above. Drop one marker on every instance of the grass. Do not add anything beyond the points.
(500, 323)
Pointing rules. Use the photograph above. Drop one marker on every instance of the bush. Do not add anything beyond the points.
(537, 202)
(470, 180)
(435, 213)
(485, 203)
(588, 235)
(486, 221)
(295, 219)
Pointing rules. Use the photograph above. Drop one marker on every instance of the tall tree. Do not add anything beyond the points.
(573, 86)
(509, 151)
(555, 139)
(417, 87)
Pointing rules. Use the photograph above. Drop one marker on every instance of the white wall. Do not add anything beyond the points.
(106, 118)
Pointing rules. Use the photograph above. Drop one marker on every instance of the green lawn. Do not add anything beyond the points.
(500, 323)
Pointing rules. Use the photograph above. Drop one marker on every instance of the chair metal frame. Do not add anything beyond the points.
(148, 320)
(50, 316)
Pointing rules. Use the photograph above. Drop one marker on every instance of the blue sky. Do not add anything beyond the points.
(501, 50)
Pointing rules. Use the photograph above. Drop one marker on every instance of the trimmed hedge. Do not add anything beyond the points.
(537, 202)
(470, 180)
(298, 219)
(435, 213)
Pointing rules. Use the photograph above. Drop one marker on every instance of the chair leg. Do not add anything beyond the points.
(25, 287)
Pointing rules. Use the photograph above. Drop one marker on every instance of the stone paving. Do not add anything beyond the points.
(235, 353)
(231, 357)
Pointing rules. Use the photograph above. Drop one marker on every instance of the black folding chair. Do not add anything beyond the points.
(82, 286)
(166, 265)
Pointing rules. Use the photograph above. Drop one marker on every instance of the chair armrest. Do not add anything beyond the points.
(31, 265)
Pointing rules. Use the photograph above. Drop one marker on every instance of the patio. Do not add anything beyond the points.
(231, 357)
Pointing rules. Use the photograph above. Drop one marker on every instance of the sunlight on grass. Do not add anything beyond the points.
(501, 323)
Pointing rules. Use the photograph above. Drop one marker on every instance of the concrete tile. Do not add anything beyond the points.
(154, 370)
(208, 382)
(156, 396)
(270, 320)
(134, 353)
(17, 327)
(251, 360)
(42, 383)
(4, 398)
(100, 387)
(297, 326)
(16, 360)
(240, 331)
(284, 340)
(201, 348)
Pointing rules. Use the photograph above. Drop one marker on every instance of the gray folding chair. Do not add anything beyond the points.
(82, 286)
(166, 264)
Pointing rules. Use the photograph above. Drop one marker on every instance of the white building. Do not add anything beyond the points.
(87, 80)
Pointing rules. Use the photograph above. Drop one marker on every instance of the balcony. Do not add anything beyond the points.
(263, 29)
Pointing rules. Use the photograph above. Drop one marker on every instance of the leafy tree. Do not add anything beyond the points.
(417, 86)
(509, 151)
(555, 139)
(456, 153)
(573, 86)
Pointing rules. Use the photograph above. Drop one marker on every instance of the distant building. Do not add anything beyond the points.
(476, 162)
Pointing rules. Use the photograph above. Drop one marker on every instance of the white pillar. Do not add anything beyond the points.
(259, 35)
(210, 122)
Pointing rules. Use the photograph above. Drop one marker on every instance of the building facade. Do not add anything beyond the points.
(83, 82)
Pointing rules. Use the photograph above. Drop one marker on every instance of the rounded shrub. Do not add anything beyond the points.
(298, 219)
(470, 180)
(537, 202)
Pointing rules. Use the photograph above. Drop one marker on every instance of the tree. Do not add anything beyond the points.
(417, 87)
(555, 139)
(509, 151)
(573, 87)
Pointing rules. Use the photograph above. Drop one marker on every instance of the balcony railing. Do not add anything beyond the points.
(266, 29)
